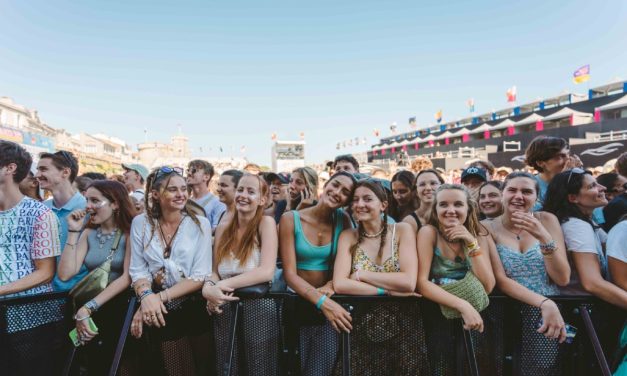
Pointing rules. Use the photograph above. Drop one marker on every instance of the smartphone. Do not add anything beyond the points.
(74, 334)
(571, 331)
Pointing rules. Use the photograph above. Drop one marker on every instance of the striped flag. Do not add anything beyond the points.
(438, 116)
(582, 74)
(471, 105)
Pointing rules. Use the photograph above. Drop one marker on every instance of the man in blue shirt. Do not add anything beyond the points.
(56, 172)
(199, 174)
(549, 156)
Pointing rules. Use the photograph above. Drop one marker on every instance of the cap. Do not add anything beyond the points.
(474, 171)
(140, 169)
(283, 177)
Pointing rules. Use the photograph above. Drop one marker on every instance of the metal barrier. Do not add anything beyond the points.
(280, 334)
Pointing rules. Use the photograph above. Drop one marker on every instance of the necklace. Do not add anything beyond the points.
(104, 238)
(508, 230)
(168, 239)
(372, 236)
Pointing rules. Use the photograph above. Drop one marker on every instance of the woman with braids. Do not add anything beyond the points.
(170, 259)
(403, 196)
(303, 188)
(379, 258)
(529, 263)
(226, 192)
(110, 213)
(426, 183)
(572, 196)
(308, 242)
(245, 255)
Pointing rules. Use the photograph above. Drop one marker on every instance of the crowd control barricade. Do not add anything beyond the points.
(281, 334)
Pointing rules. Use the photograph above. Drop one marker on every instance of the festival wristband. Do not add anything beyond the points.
(380, 291)
(144, 294)
(321, 301)
(548, 248)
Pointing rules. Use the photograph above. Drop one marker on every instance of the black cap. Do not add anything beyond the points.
(283, 177)
(474, 171)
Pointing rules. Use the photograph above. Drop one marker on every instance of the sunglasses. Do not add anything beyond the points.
(68, 158)
(167, 170)
(575, 170)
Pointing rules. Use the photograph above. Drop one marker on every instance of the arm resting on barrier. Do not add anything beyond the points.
(618, 271)
(589, 271)
(44, 271)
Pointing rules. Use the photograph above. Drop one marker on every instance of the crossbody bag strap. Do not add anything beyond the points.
(116, 244)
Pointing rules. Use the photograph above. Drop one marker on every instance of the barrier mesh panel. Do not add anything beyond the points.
(388, 339)
(257, 339)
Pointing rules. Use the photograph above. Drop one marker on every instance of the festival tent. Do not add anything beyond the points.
(569, 112)
(502, 125)
(619, 103)
(482, 128)
(531, 119)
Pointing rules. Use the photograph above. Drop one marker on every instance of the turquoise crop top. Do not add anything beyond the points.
(314, 257)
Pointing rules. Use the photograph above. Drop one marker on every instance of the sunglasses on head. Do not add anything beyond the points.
(167, 170)
(575, 170)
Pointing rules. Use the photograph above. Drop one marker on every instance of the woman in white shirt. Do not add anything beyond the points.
(572, 196)
(245, 255)
(170, 259)
(617, 253)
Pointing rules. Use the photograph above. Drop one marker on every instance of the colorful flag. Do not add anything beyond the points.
(302, 135)
(412, 122)
(511, 94)
(273, 136)
(438, 116)
(582, 74)
(471, 105)
(376, 132)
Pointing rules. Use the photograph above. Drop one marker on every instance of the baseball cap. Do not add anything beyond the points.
(283, 177)
(140, 169)
(474, 171)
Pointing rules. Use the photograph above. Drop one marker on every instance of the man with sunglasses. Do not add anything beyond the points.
(56, 173)
(199, 174)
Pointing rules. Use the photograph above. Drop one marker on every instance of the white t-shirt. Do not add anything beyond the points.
(190, 256)
(617, 242)
(581, 237)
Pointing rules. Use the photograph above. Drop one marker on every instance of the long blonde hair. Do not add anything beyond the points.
(228, 241)
(472, 223)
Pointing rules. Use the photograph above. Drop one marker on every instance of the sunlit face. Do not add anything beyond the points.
(98, 206)
(248, 195)
(131, 178)
(197, 176)
(337, 192)
(297, 184)
(616, 190)
(451, 207)
(590, 196)
(278, 190)
(226, 189)
(49, 176)
(402, 193)
(490, 202)
(556, 164)
(519, 194)
(174, 195)
(426, 185)
(366, 205)
(29, 183)
(345, 166)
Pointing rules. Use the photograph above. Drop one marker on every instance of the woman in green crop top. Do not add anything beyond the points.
(453, 244)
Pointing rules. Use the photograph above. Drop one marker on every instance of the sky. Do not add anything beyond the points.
(232, 73)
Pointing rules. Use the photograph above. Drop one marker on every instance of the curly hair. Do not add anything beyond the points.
(543, 148)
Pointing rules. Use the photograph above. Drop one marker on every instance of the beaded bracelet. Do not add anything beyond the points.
(144, 294)
(548, 248)
(92, 306)
(475, 252)
(80, 318)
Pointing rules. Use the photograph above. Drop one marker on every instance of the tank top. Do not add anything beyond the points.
(361, 261)
(443, 268)
(315, 257)
(418, 223)
(96, 254)
(527, 268)
(230, 267)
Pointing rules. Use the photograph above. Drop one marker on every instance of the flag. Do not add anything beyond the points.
(302, 135)
(511, 94)
(393, 128)
(376, 132)
(412, 122)
(243, 149)
(582, 74)
(471, 105)
(273, 136)
(221, 149)
(438, 116)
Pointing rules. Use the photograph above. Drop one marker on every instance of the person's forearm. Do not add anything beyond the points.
(483, 271)
(184, 287)
(437, 294)
(557, 268)
(250, 278)
(116, 287)
(396, 281)
(301, 287)
(34, 279)
(608, 292)
(349, 286)
(68, 263)
(519, 292)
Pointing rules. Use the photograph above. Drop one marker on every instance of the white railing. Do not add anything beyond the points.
(611, 136)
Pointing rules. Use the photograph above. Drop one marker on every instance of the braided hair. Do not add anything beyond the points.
(378, 191)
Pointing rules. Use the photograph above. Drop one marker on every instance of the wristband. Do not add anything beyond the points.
(73, 230)
(321, 301)
(380, 291)
(548, 248)
(542, 302)
(144, 294)
(81, 318)
(92, 306)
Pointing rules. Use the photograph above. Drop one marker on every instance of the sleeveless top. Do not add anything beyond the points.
(527, 268)
(97, 254)
(415, 217)
(314, 257)
(230, 267)
(361, 261)
(443, 268)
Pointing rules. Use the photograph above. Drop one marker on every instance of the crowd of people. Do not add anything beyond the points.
(561, 231)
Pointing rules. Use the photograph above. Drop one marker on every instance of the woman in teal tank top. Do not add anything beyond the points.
(307, 244)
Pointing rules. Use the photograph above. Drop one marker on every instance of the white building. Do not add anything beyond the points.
(288, 155)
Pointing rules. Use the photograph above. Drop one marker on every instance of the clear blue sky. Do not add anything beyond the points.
(231, 73)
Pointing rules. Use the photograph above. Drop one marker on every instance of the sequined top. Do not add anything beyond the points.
(527, 268)
(361, 261)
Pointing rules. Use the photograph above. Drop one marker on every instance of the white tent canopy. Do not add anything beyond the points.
(482, 128)
(531, 119)
(444, 135)
(619, 103)
(503, 124)
(566, 112)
